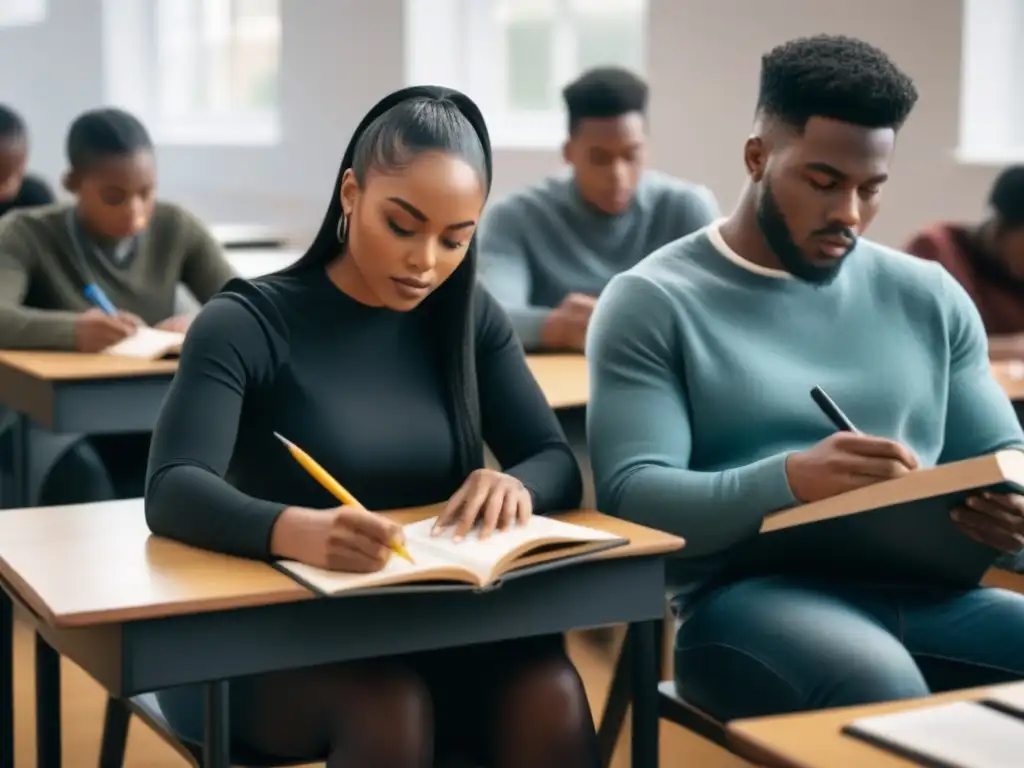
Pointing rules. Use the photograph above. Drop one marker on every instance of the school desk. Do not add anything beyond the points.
(816, 740)
(250, 262)
(68, 393)
(139, 613)
(1010, 375)
(232, 236)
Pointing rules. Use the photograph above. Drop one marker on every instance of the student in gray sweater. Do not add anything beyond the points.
(547, 251)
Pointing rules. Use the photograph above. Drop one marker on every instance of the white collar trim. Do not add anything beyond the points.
(715, 236)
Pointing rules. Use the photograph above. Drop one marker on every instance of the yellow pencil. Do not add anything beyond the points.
(336, 489)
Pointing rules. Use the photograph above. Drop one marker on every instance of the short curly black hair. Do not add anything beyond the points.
(12, 126)
(837, 77)
(1007, 196)
(604, 92)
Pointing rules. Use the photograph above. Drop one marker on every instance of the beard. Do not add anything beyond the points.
(776, 233)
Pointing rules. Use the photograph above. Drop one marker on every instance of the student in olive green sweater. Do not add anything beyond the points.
(136, 249)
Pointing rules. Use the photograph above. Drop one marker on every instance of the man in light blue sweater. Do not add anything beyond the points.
(700, 422)
(547, 251)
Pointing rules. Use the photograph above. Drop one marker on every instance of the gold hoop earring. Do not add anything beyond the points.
(342, 229)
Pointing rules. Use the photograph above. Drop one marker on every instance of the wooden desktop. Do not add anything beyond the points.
(139, 613)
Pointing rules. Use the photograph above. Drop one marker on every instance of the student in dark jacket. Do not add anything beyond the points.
(380, 355)
(18, 188)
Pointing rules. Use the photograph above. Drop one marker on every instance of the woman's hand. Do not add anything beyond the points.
(494, 499)
(343, 539)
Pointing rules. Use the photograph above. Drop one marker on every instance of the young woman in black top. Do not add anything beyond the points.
(379, 354)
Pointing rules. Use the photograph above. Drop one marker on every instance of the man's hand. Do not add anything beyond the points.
(178, 323)
(95, 330)
(566, 326)
(844, 461)
(993, 519)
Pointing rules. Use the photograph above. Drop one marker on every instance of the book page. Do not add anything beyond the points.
(962, 734)
(1009, 697)
(483, 555)
(147, 344)
(397, 570)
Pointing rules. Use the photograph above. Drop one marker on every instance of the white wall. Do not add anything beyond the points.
(339, 56)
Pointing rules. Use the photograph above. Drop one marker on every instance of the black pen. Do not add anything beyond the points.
(830, 409)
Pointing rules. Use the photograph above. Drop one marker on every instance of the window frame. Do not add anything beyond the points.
(991, 121)
(131, 51)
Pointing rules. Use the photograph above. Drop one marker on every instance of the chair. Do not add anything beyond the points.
(675, 709)
(671, 707)
(147, 708)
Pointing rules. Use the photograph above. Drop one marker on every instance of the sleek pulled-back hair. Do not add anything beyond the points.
(394, 133)
(103, 133)
(836, 77)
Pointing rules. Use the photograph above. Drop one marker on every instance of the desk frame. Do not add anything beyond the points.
(209, 648)
(89, 406)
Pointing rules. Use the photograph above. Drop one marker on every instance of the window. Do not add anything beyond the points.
(22, 13)
(196, 71)
(514, 56)
(992, 77)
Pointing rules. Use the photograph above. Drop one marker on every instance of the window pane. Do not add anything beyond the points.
(609, 40)
(529, 64)
(610, 33)
(256, 54)
(22, 12)
(218, 58)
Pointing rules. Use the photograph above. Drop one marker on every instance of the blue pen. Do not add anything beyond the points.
(96, 295)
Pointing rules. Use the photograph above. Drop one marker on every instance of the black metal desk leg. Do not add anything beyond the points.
(616, 706)
(644, 654)
(48, 751)
(6, 680)
(216, 750)
(20, 476)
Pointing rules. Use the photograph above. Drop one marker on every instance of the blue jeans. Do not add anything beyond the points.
(773, 645)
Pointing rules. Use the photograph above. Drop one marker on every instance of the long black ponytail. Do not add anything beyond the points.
(401, 126)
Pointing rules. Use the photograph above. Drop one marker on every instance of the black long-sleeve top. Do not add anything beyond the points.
(359, 388)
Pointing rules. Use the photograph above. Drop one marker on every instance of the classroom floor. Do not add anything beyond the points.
(83, 703)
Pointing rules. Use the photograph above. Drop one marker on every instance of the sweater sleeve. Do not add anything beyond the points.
(24, 327)
(505, 270)
(206, 269)
(230, 349)
(518, 424)
(640, 435)
(695, 207)
(979, 416)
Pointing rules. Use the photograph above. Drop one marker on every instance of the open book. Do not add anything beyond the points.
(1007, 698)
(472, 563)
(148, 344)
(898, 530)
(961, 734)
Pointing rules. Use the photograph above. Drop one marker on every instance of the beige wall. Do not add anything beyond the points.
(340, 55)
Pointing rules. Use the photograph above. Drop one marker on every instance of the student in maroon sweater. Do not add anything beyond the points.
(988, 261)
